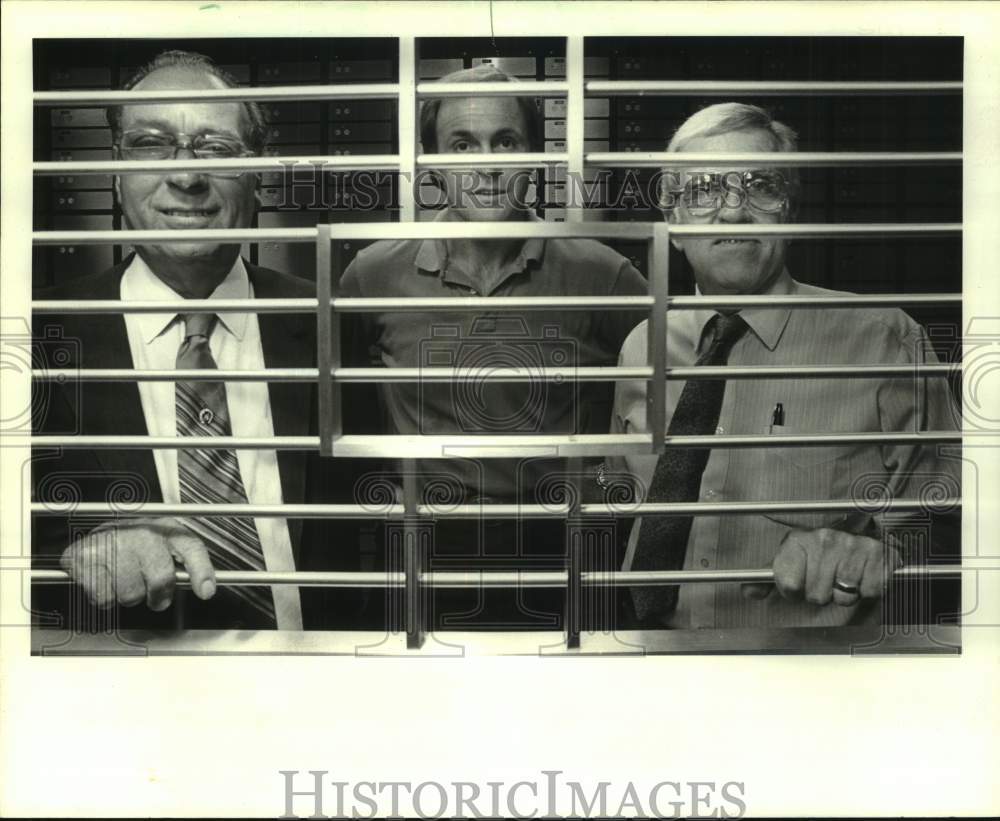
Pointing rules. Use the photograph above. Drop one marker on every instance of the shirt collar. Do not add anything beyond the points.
(767, 323)
(139, 283)
(433, 253)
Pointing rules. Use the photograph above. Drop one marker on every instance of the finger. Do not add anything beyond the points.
(756, 590)
(130, 586)
(880, 564)
(87, 564)
(790, 568)
(192, 553)
(825, 558)
(158, 570)
(848, 575)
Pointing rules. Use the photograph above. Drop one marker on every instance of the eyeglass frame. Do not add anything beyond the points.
(188, 144)
(676, 193)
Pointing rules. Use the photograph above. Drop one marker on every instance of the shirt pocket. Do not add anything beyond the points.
(801, 474)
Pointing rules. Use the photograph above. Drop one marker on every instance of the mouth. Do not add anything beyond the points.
(736, 242)
(189, 214)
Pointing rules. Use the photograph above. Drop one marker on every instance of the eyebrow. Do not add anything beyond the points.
(163, 125)
(468, 135)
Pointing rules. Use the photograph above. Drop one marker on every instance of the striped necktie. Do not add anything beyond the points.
(212, 475)
(662, 542)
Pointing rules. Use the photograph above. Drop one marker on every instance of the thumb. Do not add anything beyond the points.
(756, 590)
(192, 552)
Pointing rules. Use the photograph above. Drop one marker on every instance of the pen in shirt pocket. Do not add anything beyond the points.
(777, 419)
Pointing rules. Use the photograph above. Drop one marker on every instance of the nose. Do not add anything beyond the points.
(186, 180)
(734, 210)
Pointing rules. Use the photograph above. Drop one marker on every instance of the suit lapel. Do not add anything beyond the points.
(288, 341)
(114, 408)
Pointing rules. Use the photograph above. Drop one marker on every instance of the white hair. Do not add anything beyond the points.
(722, 118)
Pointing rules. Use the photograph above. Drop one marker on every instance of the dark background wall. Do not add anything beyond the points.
(824, 123)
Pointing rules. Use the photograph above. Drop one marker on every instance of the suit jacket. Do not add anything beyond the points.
(114, 408)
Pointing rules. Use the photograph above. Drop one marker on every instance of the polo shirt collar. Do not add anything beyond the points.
(139, 283)
(768, 324)
(433, 253)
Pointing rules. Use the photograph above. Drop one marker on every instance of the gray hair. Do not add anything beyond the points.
(256, 123)
(724, 118)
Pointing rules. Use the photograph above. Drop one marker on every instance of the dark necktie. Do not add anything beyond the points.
(213, 475)
(662, 541)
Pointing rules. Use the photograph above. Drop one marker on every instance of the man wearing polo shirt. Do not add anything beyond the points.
(484, 341)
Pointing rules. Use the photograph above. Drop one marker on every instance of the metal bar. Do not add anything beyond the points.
(493, 446)
(491, 511)
(329, 413)
(407, 119)
(413, 558)
(766, 88)
(100, 97)
(658, 255)
(848, 641)
(819, 230)
(637, 231)
(555, 578)
(596, 373)
(419, 304)
(239, 578)
(799, 159)
(353, 162)
(574, 126)
(547, 88)
(499, 160)
(214, 235)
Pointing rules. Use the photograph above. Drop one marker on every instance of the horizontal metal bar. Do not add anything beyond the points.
(195, 235)
(418, 304)
(319, 162)
(816, 230)
(637, 231)
(797, 159)
(178, 442)
(491, 160)
(477, 579)
(491, 303)
(100, 97)
(546, 88)
(287, 305)
(797, 301)
(448, 375)
(513, 230)
(848, 641)
(492, 446)
(489, 511)
(763, 88)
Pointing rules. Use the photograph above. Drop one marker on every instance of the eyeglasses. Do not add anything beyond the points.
(705, 193)
(152, 144)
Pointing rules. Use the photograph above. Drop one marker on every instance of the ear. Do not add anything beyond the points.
(115, 155)
(671, 217)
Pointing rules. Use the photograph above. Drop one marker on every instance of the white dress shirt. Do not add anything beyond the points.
(235, 344)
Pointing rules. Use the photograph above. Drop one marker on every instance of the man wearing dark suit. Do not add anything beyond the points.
(131, 562)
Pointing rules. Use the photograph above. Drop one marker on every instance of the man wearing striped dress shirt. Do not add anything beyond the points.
(830, 567)
(129, 562)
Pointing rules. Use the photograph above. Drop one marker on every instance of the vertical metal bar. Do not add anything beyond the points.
(574, 213)
(574, 128)
(414, 551)
(406, 112)
(324, 340)
(336, 357)
(658, 265)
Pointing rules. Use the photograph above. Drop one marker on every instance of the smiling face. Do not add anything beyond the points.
(723, 266)
(479, 125)
(186, 200)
